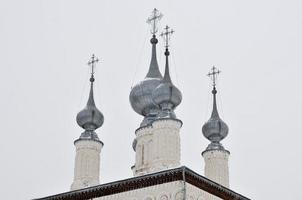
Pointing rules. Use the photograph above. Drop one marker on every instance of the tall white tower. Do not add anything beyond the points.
(157, 142)
(215, 156)
(88, 146)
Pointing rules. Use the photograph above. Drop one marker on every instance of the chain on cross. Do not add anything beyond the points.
(93, 60)
(167, 35)
(213, 74)
(154, 19)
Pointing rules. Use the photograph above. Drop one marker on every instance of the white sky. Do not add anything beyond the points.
(44, 47)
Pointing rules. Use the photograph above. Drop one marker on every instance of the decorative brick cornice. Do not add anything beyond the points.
(158, 120)
(171, 175)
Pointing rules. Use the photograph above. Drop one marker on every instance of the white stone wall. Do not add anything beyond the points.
(194, 193)
(176, 190)
(158, 147)
(217, 168)
(167, 191)
(87, 164)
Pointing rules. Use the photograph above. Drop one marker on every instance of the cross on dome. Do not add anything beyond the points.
(213, 75)
(93, 60)
(154, 19)
(167, 35)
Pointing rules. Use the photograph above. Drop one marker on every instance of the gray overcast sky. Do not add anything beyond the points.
(44, 83)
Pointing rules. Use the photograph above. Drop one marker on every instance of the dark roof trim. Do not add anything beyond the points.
(147, 181)
(211, 187)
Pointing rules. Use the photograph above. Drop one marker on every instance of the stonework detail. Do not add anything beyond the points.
(166, 191)
(87, 164)
(157, 147)
(176, 190)
(217, 168)
(194, 193)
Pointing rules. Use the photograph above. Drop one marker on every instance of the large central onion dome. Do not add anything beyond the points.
(215, 129)
(167, 95)
(141, 94)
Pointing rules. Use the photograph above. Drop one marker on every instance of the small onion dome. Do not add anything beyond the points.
(141, 94)
(215, 129)
(90, 118)
(167, 95)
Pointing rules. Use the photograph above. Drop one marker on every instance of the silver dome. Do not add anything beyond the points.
(167, 95)
(215, 129)
(90, 118)
(141, 94)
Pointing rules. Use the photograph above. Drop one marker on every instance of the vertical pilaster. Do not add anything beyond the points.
(157, 147)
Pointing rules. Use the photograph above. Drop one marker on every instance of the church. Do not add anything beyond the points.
(157, 171)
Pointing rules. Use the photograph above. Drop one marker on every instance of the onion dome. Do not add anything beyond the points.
(90, 118)
(215, 129)
(141, 94)
(167, 95)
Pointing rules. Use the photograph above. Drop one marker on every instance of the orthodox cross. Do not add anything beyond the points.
(154, 19)
(213, 75)
(167, 35)
(93, 60)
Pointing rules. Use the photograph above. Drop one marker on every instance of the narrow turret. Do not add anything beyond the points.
(88, 146)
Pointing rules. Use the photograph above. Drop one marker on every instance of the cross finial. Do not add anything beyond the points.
(167, 35)
(213, 75)
(93, 60)
(153, 20)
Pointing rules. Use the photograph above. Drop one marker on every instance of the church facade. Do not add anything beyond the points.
(157, 171)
